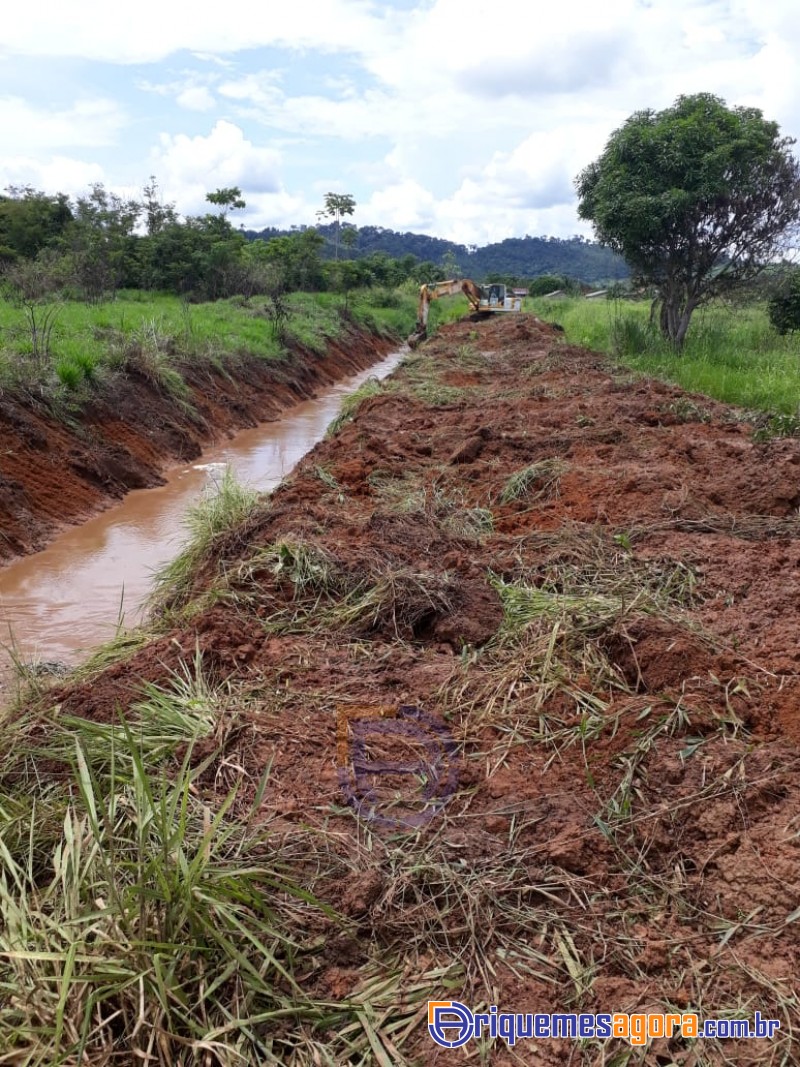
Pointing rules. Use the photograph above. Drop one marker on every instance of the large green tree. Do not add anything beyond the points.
(697, 198)
(30, 221)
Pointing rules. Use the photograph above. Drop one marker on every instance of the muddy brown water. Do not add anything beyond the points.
(61, 601)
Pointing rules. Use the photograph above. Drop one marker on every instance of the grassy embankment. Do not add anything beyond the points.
(731, 354)
(157, 334)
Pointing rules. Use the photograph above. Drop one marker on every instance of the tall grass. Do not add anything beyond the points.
(222, 509)
(142, 919)
(149, 914)
(157, 335)
(732, 354)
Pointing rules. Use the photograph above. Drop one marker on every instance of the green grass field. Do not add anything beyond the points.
(732, 354)
(157, 334)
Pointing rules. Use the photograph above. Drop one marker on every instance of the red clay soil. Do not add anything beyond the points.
(658, 859)
(55, 472)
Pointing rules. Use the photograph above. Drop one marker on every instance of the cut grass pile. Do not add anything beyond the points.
(352, 402)
(324, 594)
(538, 481)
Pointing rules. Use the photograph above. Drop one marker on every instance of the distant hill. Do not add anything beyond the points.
(522, 257)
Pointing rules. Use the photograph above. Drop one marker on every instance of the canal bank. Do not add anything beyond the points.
(60, 465)
(92, 576)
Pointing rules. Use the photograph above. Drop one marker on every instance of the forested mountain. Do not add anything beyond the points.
(528, 257)
(521, 257)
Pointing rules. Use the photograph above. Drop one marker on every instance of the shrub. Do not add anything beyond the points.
(629, 336)
(69, 373)
(784, 304)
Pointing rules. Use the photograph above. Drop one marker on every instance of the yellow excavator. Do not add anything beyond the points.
(484, 300)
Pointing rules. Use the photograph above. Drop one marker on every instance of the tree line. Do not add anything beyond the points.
(98, 243)
(93, 245)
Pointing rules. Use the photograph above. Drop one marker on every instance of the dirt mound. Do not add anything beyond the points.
(592, 580)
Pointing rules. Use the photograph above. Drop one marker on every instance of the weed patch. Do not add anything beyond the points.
(224, 507)
(538, 481)
(350, 404)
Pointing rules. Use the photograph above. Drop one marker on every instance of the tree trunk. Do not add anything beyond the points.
(669, 318)
(683, 324)
(676, 314)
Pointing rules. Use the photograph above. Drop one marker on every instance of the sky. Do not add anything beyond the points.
(463, 119)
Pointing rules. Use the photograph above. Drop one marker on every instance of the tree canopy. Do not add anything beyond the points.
(696, 198)
(30, 221)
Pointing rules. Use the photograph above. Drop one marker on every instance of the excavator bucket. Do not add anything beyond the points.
(420, 332)
(419, 335)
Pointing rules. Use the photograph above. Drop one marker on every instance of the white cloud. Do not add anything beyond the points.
(87, 123)
(279, 209)
(208, 57)
(526, 190)
(189, 167)
(459, 41)
(196, 98)
(153, 30)
(191, 91)
(58, 174)
(405, 205)
(373, 113)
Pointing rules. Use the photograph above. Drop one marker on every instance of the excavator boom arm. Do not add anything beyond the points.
(427, 293)
(481, 301)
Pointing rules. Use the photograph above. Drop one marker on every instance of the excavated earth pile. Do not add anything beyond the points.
(590, 580)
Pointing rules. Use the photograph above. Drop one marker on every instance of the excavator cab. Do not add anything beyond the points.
(495, 295)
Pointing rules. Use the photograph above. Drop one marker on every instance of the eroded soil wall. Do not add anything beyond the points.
(56, 471)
